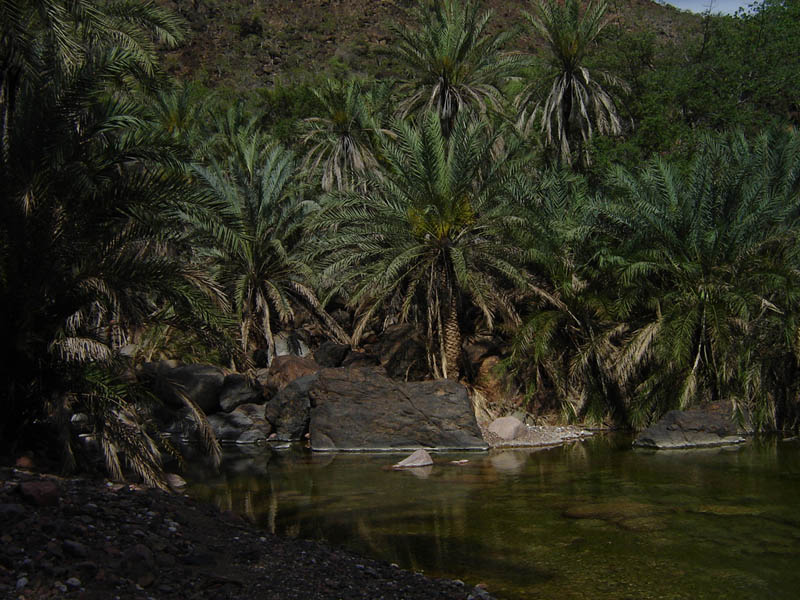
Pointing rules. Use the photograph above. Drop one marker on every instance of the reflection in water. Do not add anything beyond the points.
(588, 520)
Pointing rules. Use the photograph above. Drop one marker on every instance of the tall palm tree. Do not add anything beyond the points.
(251, 239)
(342, 140)
(452, 61)
(707, 268)
(91, 250)
(577, 105)
(425, 239)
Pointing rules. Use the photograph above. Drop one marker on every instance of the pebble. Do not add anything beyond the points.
(60, 587)
(21, 583)
(74, 582)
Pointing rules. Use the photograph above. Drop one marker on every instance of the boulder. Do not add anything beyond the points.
(362, 409)
(200, 383)
(507, 428)
(331, 354)
(689, 429)
(420, 458)
(288, 412)
(238, 389)
(284, 370)
(239, 427)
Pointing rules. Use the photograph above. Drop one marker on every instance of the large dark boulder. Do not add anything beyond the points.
(243, 426)
(200, 383)
(331, 354)
(689, 429)
(360, 409)
(238, 389)
(288, 412)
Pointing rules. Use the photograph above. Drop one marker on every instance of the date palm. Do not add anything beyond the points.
(577, 105)
(41, 40)
(91, 251)
(251, 239)
(707, 268)
(452, 60)
(424, 241)
(342, 139)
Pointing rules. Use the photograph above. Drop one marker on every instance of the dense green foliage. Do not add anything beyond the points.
(658, 271)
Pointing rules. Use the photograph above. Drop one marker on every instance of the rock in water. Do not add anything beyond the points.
(361, 409)
(689, 429)
(419, 458)
(507, 428)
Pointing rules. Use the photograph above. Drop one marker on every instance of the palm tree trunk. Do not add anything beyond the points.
(452, 340)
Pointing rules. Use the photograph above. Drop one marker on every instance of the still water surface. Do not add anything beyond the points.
(593, 519)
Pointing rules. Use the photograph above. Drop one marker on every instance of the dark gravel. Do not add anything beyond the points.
(91, 539)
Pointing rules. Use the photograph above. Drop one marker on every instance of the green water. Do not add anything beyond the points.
(590, 520)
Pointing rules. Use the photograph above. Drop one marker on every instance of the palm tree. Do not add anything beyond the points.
(424, 240)
(342, 140)
(576, 106)
(251, 238)
(707, 268)
(452, 61)
(43, 40)
(91, 251)
(566, 346)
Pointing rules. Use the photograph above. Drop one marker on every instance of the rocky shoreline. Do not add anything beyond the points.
(98, 540)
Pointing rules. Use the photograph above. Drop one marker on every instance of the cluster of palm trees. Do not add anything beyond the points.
(135, 207)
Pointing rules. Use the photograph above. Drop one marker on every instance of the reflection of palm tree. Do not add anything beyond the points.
(342, 139)
(251, 238)
(576, 105)
(424, 236)
(452, 60)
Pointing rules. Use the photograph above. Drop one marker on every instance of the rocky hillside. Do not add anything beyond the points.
(249, 44)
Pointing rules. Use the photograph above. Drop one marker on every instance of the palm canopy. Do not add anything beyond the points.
(92, 251)
(453, 62)
(342, 139)
(576, 104)
(251, 238)
(707, 268)
(425, 240)
(46, 39)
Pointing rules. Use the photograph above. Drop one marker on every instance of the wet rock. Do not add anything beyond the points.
(507, 428)
(238, 389)
(289, 410)
(420, 458)
(363, 409)
(689, 429)
(40, 493)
